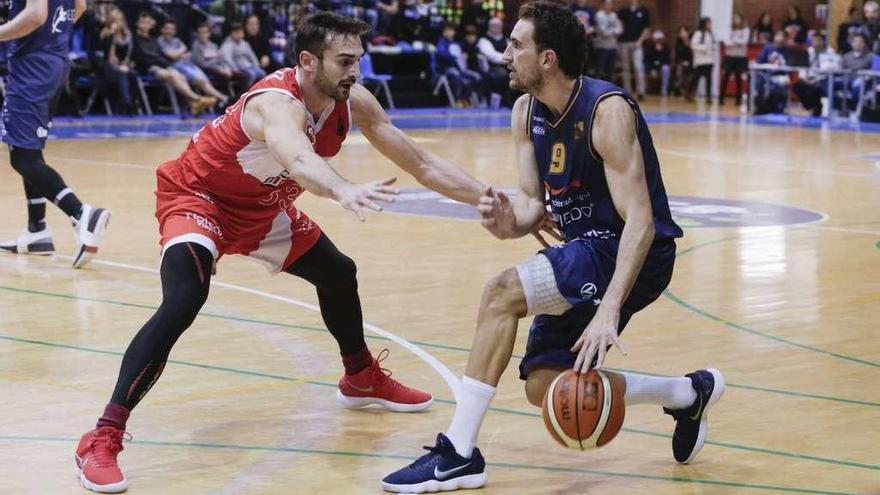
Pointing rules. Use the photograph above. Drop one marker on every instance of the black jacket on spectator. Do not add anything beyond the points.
(634, 23)
(871, 31)
(802, 30)
(260, 45)
(654, 58)
(147, 53)
(475, 15)
(683, 52)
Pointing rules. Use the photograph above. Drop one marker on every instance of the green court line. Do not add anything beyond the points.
(420, 343)
(706, 314)
(447, 401)
(508, 465)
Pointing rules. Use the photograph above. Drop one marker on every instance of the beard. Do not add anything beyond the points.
(527, 84)
(337, 91)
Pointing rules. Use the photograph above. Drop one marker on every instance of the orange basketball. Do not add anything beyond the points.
(584, 411)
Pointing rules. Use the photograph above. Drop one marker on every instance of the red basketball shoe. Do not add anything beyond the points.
(96, 460)
(374, 385)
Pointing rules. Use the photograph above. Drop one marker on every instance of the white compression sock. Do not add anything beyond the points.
(669, 392)
(472, 403)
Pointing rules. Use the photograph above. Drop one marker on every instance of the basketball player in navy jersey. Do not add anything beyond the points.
(585, 143)
(38, 64)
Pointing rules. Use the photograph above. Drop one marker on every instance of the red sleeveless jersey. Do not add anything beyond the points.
(240, 172)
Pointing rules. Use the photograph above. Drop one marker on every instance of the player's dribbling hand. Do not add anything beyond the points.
(497, 212)
(356, 197)
(548, 226)
(594, 342)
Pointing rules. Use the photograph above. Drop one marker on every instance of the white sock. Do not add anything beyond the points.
(669, 392)
(472, 403)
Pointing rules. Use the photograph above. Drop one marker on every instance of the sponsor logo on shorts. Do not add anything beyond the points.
(204, 223)
(42, 132)
(588, 290)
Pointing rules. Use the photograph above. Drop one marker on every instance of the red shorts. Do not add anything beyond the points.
(276, 238)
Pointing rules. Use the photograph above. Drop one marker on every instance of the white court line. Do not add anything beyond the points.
(433, 362)
(103, 163)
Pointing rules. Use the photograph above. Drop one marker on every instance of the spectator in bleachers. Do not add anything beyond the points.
(238, 53)
(871, 27)
(279, 18)
(492, 46)
(795, 25)
(684, 61)
(387, 11)
(253, 34)
(658, 60)
(452, 62)
(585, 14)
(206, 55)
(410, 24)
(736, 62)
(176, 50)
(116, 68)
(703, 47)
(771, 94)
(636, 30)
(149, 59)
(469, 43)
(848, 28)
(475, 15)
(859, 58)
(608, 28)
(763, 31)
(812, 86)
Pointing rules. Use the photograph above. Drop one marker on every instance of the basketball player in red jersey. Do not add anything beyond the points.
(232, 191)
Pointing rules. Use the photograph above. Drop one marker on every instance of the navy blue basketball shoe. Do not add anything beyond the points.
(440, 470)
(692, 424)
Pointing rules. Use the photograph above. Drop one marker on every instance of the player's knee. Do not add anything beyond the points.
(504, 293)
(23, 160)
(535, 390)
(181, 306)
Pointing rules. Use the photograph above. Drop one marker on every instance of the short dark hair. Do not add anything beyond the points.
(169, 21)
(311, 35)
(202, 25)
(557, 29)
(235, 26)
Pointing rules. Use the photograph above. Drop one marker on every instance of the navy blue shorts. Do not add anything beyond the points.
(583, 269)
(31, 88)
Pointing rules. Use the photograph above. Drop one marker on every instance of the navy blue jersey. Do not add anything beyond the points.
(574, 173)
(53, 37)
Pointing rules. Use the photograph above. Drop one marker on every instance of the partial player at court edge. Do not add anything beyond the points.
(585, 142)
(40, 32)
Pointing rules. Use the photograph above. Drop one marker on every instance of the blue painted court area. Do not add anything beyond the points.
(427, 118)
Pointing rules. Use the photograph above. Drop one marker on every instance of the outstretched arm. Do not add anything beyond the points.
(27, 21)
(429, 169)
(507, 219)
(280, 121)
(615, 139)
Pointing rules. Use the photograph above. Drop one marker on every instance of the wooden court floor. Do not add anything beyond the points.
(788, 312)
